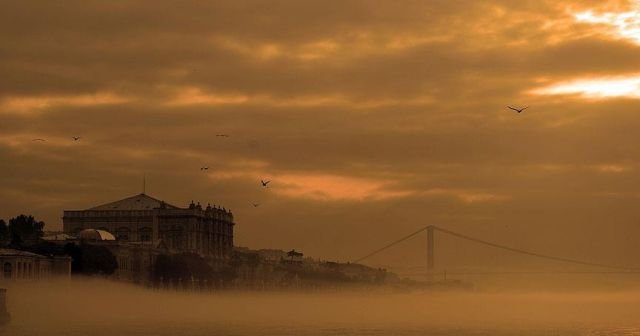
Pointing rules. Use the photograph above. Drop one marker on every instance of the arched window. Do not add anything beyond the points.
(146, 234)
(7, 270)
(122, 233)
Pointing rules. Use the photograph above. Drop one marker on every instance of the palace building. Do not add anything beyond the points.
(142, 219)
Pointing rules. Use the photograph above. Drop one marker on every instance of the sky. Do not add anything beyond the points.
(371, 118)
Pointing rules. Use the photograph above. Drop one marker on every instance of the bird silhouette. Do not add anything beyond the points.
(204, 168)
(222, 135)
(255, 205)
(38, 139)
(76, 138)
(264, 184)
(517, 109)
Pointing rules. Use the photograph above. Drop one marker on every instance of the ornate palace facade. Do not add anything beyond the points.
(143, 219)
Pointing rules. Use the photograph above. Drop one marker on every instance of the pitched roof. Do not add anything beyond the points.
(137, 202)
(7, 252)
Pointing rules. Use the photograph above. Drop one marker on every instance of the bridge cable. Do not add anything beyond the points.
(534, 254)
(391, 244)
(503, 247)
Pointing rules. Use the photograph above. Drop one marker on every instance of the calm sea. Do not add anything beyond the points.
(96, 308)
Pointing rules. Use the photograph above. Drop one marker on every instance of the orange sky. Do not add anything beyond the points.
(372, 118)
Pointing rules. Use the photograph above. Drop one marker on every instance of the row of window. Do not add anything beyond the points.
(23, 270)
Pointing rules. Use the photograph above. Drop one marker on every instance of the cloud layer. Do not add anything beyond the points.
(371, 118)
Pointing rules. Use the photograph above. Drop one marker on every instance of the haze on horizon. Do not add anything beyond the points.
(371, 118)
(112, 308)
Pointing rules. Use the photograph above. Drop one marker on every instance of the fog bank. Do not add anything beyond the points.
(96, 307)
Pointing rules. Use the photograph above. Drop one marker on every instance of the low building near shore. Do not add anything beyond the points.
(273, 268)
(22, 265)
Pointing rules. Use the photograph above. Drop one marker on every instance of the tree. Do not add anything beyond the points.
(25, 229)
(162, 267)
(75, 252)
(98, 260)
(47, 248)
(90, 259)
(4, 232)
(16, 241)
(182, 266)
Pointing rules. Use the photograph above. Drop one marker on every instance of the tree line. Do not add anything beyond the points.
(20, 230)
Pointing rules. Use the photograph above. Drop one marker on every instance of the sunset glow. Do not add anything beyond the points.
(35, 103)
(366, 116)
(624, 25)
(627, 87)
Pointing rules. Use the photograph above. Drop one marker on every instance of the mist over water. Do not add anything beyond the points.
(98, 307)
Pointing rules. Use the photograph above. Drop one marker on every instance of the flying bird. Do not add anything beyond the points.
(76, 138)
(204, 168)
(222, 135)
(264, 184)
(517, 109)
(38, 139)
(255, 205)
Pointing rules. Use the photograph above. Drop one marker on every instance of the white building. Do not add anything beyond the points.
(22, 265)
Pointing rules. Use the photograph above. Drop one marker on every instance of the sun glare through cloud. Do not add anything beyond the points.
(599, 88)
(624, 25)
(619, 25)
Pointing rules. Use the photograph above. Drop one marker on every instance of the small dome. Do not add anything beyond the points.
(95, 235)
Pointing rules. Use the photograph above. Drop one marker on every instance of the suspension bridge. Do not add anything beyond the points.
(431, 255)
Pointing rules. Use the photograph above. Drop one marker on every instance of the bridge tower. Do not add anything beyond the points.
(430, 252)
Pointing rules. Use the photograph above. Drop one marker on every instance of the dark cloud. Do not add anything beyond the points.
(399, 107)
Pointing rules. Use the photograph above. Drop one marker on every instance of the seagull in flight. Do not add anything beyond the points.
(264, 184)
(76, 138)
(38, 139)
(222, 135)
(517, 109)
(204, 168)
(255, 205)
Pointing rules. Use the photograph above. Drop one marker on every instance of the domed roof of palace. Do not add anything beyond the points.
(95, 235)
(137, 202)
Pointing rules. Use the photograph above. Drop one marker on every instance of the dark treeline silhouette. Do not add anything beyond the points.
(185, 266)
(20, 231)
(91, 259)
(247, 270)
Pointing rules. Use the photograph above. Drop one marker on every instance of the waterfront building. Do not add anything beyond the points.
(22, 265)
(144, 221)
